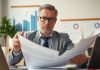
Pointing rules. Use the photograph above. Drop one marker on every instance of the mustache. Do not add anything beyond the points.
(47, 27)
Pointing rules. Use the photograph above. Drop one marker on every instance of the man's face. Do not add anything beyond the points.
(47, 20)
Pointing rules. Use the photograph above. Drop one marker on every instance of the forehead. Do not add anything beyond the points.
(47, 13)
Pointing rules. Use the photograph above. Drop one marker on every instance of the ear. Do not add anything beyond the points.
(55, 21)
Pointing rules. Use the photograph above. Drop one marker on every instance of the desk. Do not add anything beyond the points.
(25, 68)
(45, 69)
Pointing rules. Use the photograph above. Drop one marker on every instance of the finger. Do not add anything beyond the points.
(16, 35)
(16, 43)
(21, 33)
(16, 40)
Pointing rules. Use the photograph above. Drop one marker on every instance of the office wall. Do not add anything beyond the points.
(0, 8)
(73, 8)
(5, 7)
(68, 9)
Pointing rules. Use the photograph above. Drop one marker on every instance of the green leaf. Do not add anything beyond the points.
(6, 28)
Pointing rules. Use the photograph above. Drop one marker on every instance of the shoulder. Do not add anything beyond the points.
(62, 35)
(33, 33)
(30, 34)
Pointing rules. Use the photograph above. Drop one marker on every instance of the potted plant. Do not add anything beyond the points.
(6, 29)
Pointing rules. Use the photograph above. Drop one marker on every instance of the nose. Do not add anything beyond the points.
(46, 22)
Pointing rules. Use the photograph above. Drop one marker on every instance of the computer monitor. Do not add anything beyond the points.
(94, 62)
(3, 63)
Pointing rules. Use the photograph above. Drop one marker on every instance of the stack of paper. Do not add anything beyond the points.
(37, 56)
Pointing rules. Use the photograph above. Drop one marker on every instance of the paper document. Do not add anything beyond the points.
(37, 56)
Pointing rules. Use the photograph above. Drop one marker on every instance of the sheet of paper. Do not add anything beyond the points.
(37, 56)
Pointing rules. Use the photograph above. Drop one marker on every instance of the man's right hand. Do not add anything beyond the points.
(16, 43)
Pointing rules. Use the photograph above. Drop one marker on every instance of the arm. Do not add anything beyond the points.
(65, 43)
(14, 58)
(68, 45)
(15, 55)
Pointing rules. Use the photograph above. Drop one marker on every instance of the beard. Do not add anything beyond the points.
(46, 31)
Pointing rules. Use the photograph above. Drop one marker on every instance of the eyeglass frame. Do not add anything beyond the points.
(50, 19)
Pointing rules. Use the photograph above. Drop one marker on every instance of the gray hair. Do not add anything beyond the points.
(48, 7)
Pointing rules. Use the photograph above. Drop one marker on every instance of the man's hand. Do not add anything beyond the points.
(80, 59)
(16, 43)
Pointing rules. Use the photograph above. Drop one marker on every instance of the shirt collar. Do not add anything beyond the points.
(40, 35)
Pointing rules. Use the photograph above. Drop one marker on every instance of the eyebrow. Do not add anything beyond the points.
(47, 17)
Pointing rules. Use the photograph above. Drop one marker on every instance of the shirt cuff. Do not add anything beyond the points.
(16, 54)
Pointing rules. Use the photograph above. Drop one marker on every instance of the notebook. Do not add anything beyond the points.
(94, 62)
(3, 63)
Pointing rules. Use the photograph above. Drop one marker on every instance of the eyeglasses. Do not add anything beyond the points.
(50, 20)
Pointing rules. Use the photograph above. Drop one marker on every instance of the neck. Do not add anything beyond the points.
(46, 34)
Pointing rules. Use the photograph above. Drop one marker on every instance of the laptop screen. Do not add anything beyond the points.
(94, 62)
(3, 63)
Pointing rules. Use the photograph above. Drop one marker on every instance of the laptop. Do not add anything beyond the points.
(3, 63)
(94, 62)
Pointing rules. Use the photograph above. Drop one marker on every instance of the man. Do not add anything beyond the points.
(54, 40)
